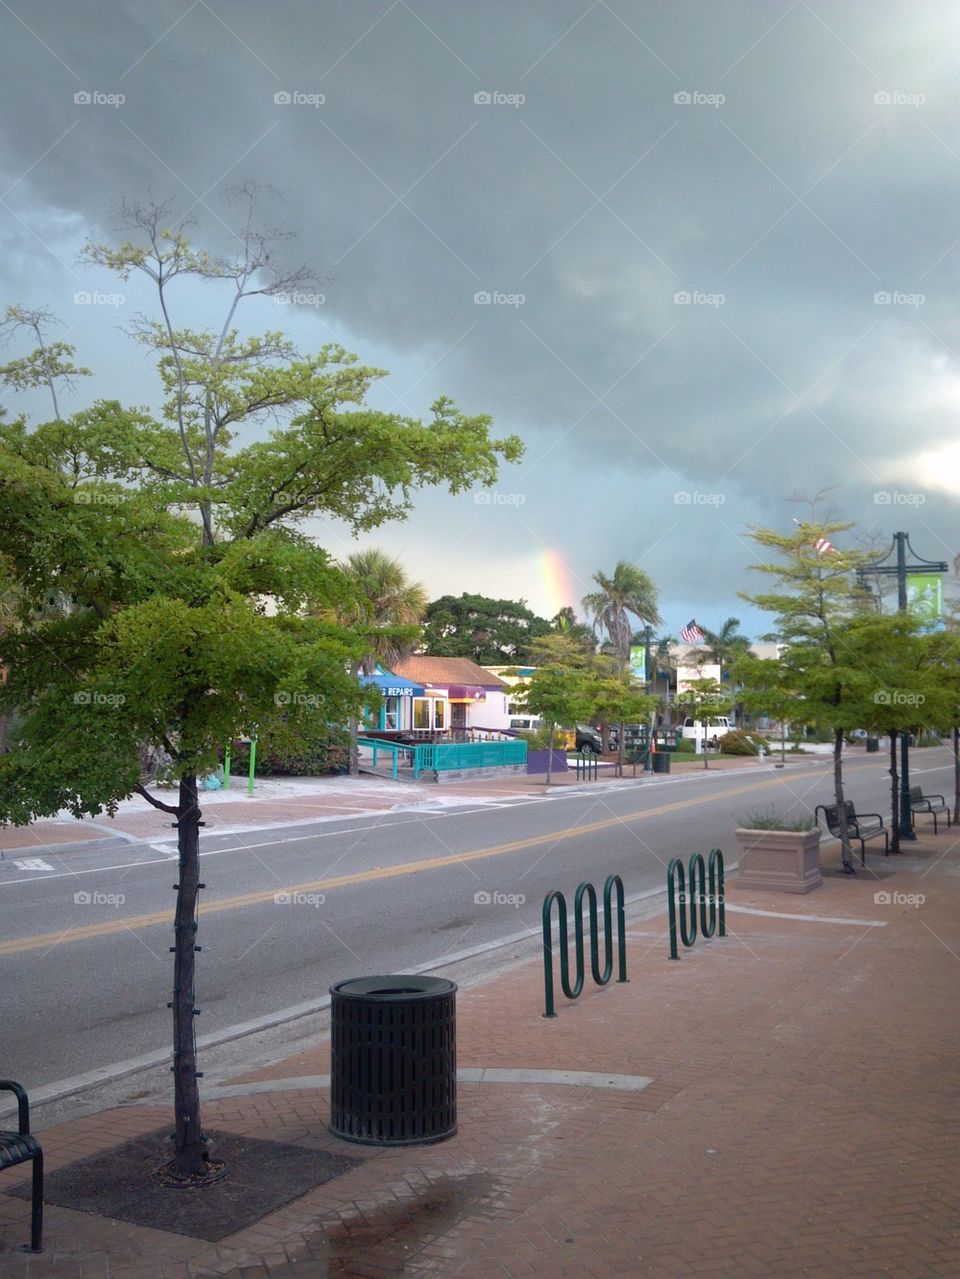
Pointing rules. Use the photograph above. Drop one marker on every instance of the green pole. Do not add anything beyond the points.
(253, 764)
(226, 767)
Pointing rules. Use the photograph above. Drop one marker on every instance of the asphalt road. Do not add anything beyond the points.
(85, 933)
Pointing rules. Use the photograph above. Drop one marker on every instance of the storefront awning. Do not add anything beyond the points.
(466, 693)
(391, 685)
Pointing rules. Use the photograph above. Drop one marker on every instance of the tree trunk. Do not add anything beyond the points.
(894, 793)
(550, 753)
(838, 799)
(956, 774)
(188, 1139)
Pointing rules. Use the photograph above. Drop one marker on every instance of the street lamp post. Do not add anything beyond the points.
(900, 569)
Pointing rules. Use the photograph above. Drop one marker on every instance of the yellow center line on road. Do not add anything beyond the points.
(107, 928)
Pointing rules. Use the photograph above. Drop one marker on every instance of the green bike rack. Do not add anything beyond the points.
(712, 898)
(600, 977)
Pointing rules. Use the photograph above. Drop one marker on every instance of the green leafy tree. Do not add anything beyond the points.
(615, 700)
(491, 632)
(195, 607)
(50, 364)
(559, 695)
(814, 601)
(627, 593)
(702, 698)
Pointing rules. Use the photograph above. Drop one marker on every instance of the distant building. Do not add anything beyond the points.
(456, 694)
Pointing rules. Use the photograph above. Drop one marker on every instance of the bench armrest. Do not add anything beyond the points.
(860, 817)
(940, 797)
(23, 1106)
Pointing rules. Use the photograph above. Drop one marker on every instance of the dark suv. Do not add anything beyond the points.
(588, 739)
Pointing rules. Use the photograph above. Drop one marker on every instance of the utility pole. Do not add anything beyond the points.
(900, 569)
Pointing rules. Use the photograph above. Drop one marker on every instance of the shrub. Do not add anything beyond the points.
(538, 739)
(741, 742)
(928, 738)
(686, 746)
(769, 819)
(323, 752)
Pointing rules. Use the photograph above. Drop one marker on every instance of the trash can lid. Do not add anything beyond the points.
(395, 986)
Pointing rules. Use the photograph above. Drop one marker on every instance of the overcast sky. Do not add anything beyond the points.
(720, 241)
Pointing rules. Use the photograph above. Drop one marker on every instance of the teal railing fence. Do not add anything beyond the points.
(600, 976)
(700, 891)
(442, 757)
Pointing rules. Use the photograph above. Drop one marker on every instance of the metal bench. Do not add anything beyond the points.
(19, 1148)
(860, 826)
(932, 804)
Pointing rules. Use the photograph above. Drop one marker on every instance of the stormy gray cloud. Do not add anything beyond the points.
(700, 256)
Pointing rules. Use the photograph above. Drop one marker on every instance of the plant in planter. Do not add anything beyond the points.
(779, 852)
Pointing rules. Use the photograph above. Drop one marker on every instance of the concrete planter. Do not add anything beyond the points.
(784, 861)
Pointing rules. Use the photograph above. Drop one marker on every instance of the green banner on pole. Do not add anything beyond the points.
(925, 596)
(638, 663)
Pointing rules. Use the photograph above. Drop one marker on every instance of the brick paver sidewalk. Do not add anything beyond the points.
(802, 1117)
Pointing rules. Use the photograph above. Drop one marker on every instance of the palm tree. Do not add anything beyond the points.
(580, 636)
(383, 600)
(723, 645)
(628, 592)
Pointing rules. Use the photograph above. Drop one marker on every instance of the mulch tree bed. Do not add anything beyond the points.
(122, 1183)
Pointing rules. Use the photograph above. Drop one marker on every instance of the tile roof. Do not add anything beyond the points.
(446, 670)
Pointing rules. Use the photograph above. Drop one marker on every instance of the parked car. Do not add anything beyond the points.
(710, 727)
(588, 739)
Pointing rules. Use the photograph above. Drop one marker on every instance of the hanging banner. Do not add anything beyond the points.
(925, 597)
(638, 663)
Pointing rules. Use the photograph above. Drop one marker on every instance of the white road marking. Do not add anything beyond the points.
(815, 919)
(32, 863)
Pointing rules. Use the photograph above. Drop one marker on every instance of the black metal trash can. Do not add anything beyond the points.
(873, 745)
(661, 762)
(393, 1060)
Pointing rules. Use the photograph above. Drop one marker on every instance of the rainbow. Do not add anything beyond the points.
(556, 584)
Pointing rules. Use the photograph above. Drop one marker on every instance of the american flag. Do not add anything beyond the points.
(821, 546)
(691, 633)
